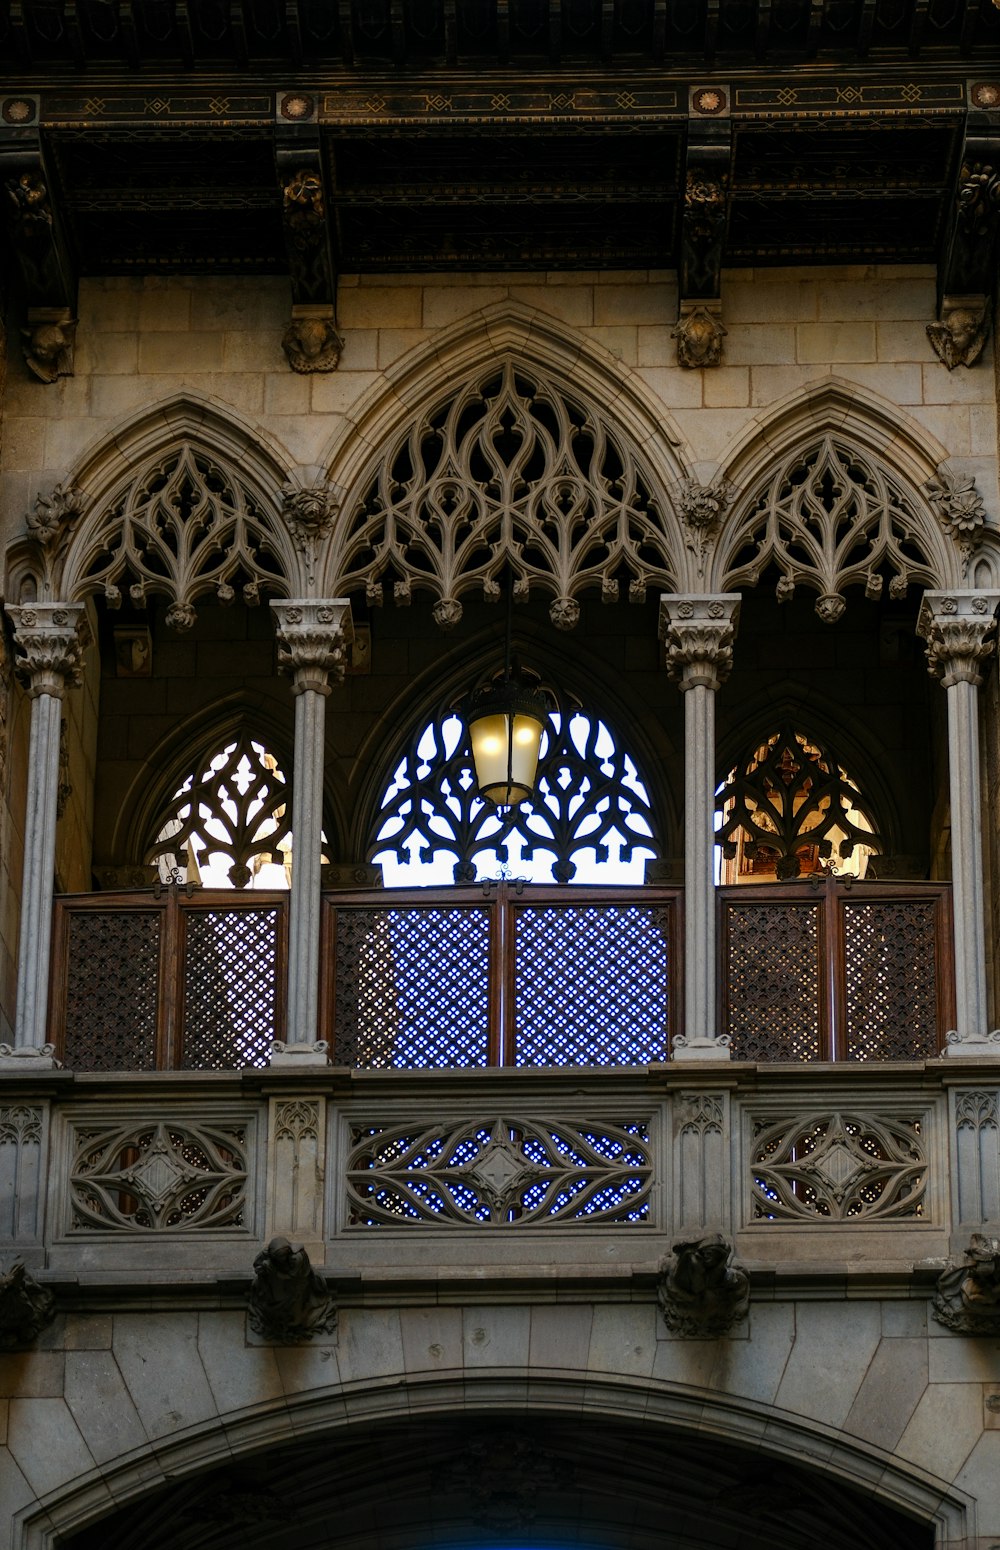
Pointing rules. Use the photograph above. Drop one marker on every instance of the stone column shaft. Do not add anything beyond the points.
(699, 632)
(49, 652)
(958, 628)
(312, 638)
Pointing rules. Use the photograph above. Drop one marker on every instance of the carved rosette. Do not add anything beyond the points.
(702, 508)
(958, 628)
(47, 636)
(698, 634)
(313, 637)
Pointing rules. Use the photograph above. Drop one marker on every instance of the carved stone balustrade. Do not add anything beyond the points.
(436, 1174)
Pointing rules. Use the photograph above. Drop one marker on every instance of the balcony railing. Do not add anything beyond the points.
(501, 975)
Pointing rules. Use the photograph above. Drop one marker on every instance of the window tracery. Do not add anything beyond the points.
(509, 470)
(590, 820)
(229, 824)
(829, 518)
(184, 528)
(789, 807)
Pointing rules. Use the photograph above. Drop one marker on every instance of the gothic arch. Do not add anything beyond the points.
(762, 1435)
(762, 713)
(184, 499)
(525, 445)
(892, 502)
(581, 673)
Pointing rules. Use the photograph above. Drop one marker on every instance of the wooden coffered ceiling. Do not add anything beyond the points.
(487, 134)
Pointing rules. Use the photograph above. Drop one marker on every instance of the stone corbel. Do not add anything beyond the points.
(289, 1301)
(967, 1298)
(25, 1308)
(702, 1292)
(36, 238)
(966, 272)
(312, 341)
(705, 215)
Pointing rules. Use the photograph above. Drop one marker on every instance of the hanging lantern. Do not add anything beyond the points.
(506, 719)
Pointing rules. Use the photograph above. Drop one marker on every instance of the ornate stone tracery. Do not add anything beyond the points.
(510, 470)
(186, 526)
(831, 517)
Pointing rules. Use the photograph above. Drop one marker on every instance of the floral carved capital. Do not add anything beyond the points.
(48, 641)
(958, 629)
(313, 637)
(698, 633)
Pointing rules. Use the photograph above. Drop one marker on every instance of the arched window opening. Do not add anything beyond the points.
(590, 820)
(789, 808)
(229, 824)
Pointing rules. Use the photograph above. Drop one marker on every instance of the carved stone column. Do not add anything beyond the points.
(48, 644)
(699, 634)
(958, 627)
(313, 637)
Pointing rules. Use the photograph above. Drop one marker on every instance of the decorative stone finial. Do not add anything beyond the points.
(967, 1298)
(289, 1301)
(702, 1292)
(25, 1308)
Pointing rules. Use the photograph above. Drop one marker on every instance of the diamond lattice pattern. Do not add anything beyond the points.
(774, 981)
(590, 985)
(112, 989)
(412, 987)
(230, 988)
(889, 952)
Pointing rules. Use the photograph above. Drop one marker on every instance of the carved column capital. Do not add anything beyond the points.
(698, 633)
(313, 637)
(48, 640)
(958, 629)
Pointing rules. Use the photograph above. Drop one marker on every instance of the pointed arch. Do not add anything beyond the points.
(832, 489)
(182, 500)
(508, 441)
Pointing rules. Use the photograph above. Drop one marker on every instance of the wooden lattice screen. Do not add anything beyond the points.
(837, 970)
(168, 980)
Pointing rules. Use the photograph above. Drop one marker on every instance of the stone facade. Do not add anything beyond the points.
(149, 1375)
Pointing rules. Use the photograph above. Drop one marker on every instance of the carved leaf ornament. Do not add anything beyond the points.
(828, 519)
(184, 528)
(508, 471)
(590, 805)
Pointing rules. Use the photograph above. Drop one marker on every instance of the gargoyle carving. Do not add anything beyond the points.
(968, 1295)
(289, 1300)
(312, 344)
(701, 1291)
(959, 338)
(25, 1308)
